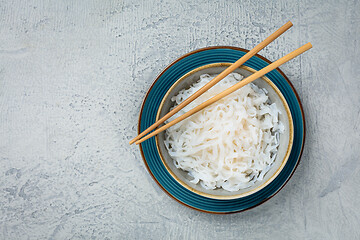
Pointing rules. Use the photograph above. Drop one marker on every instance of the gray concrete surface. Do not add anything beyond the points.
(72, 78)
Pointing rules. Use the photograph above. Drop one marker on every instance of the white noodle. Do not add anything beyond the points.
(232, 143)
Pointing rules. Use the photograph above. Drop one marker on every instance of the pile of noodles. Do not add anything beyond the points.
(232, 143)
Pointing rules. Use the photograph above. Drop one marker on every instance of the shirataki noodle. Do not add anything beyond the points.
(230, 144)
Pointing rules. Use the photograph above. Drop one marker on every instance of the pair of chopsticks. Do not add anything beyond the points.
(141, 137)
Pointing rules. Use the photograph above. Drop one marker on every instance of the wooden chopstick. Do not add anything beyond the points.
(230, 90)
(219, 77)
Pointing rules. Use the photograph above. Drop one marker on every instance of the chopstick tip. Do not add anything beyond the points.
(307, 46)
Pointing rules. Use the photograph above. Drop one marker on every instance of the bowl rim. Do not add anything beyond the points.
(264, 184)
(281, 73)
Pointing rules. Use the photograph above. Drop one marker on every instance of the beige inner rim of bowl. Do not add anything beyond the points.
(288, 151)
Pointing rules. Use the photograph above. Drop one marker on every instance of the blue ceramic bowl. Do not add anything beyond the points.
(154, 162)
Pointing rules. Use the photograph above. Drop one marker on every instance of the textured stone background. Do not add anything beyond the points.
(72, 78)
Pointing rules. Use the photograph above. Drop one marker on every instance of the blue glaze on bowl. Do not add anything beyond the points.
(148, 115)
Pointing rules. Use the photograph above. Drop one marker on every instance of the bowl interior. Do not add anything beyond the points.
(286, 138)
